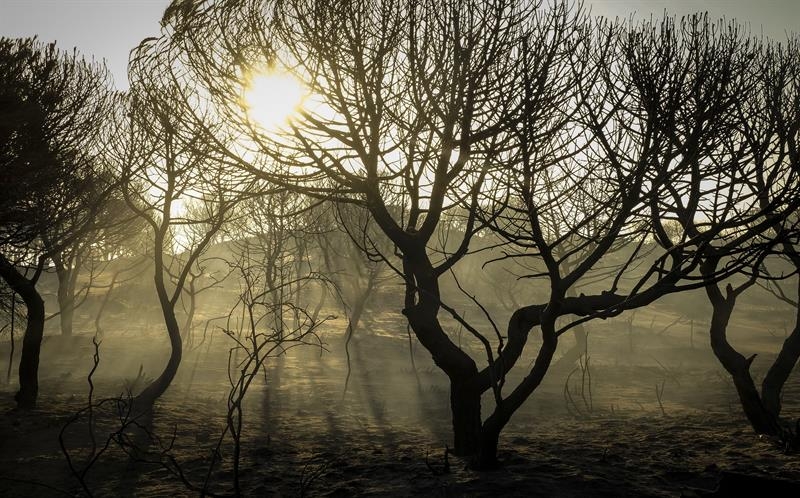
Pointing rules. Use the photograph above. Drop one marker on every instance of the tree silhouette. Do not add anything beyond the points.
(175, 184)
(764, 170)
(570, 139)
(52, 172)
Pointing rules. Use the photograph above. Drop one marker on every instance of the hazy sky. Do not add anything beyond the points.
(110, 28)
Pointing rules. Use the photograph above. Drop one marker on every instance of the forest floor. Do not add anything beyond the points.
(660, 419)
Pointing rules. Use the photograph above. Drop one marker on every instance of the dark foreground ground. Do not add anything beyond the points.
(386, 436)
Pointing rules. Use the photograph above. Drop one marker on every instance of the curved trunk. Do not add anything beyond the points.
(460, 368)
(34, 330)
(31, 347)
(761, 419)
(465, 396)
(486, 456)
(780, 370)
(156, 388)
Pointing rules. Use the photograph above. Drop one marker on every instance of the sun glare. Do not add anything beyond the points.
(272, 98)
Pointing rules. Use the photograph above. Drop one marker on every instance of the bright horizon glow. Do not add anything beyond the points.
(271, 98)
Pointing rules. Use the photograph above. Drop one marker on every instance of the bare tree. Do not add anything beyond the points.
(663, 169)
(51, 172)
(270, 236)
(175, 184)
(576, 142)
(763, 171)
(82, 257)
(266, 321)
(352, 251)
(415, 105)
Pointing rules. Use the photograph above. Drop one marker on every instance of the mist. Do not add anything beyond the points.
(395, 249)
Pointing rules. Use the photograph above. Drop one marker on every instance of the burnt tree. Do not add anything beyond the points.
(52, 172)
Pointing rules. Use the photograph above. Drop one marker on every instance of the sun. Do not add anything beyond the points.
(271, 98)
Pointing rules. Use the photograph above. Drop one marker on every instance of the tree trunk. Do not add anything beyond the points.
(34, 330)
(11, 335)
(357, 310)
(188, 324)
(156, 388)
(575, 351)
(66, 293)
(485, 458)
(320, 303)
(780, 370)
(486, 455)
(98, 330)
(761, 419)
(465, 405)
(31, 346)
(465, 393)
(66, 306)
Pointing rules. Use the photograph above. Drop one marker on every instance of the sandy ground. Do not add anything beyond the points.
(386, 436)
